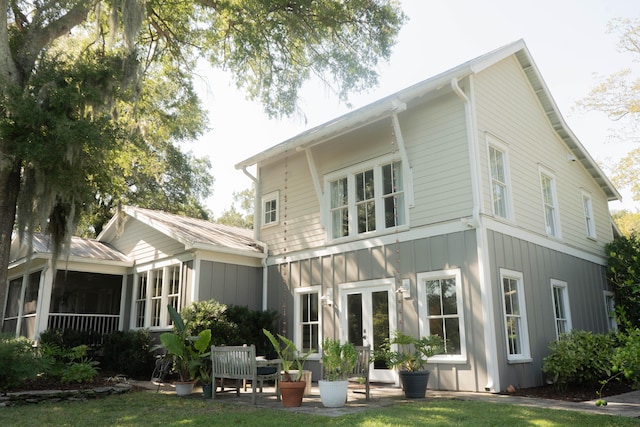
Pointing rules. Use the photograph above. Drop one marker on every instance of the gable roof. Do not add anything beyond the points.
(387, 106)
(79, 250)
(191, 232)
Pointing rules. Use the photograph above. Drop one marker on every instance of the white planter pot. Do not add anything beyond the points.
(184, 388)
(333, 393)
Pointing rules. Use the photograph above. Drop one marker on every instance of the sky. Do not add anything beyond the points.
(567, 39)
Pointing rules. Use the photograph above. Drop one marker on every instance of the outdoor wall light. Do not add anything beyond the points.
(328, 297)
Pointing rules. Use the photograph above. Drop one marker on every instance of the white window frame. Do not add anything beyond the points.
(297, 312)
(610, 307)
(401, 218)
(523, 331)
(499, 146)
(558, 287)
(589, 219)
(550, 204)
(423, 312)
(274, 213)
(165, 297)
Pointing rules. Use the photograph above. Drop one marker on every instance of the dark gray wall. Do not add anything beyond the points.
(586, 282)
(231, 284)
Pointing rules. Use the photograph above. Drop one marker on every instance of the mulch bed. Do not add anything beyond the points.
(575, 393)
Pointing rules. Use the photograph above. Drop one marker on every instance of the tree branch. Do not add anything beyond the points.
(38, 38)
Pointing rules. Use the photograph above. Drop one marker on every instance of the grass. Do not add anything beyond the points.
(156, 409)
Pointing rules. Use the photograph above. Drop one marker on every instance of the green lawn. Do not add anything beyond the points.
(156, 409)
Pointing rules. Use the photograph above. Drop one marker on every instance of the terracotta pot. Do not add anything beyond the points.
(292, 392)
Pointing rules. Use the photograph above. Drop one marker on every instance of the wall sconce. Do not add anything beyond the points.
(405, 288)
(328, 297)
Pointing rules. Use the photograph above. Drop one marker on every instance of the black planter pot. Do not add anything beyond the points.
(414, 384)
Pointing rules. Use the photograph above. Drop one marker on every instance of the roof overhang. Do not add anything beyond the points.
(396, 102)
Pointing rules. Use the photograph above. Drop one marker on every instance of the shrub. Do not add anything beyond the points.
(18, 361)
(212, 315)
(68, 364)
(128, 353)
(623, 272)
(249, 327)
(626, 359)
(579, 357)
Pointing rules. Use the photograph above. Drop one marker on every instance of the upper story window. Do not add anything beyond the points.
(155, 290)
(270, 214)
(560, 296)
(515, 316)
(589, 220)
(307, 312)
(550, 203)
(366, 200)
(499, 179)
(442, 313)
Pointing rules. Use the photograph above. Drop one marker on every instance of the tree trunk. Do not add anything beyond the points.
(9, 189)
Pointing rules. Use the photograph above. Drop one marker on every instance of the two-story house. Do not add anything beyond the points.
(461, 206)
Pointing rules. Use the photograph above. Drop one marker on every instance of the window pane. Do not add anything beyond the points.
(449, 298)
(13, 299)
(31, 294)
(434, 304)
(452, 343)
(354, 308)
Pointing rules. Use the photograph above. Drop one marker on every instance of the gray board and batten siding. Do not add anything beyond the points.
(455, 250)
(539, 265)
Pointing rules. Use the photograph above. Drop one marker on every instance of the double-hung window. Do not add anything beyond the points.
(515, 316)
(441, 311)
(155, 290)
(550, 203)
(562, 314)
(589, 221)
(499, 179)
(366, 200)
(307, 312)
(270, 214)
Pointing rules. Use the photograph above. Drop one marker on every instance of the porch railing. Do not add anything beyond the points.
(100, 323)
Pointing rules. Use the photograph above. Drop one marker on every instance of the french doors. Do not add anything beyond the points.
(368, 316)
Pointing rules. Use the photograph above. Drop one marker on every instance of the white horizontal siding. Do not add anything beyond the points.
(145, 244)
(436, 140)
(506, 108)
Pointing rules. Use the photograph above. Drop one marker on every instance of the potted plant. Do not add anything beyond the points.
(291, 387)
(188, 352)
(338, 361)
(205, 378)
(410, 355)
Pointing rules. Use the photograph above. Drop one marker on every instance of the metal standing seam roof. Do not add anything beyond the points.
(79, 248)
(388, 105)
(198, 233)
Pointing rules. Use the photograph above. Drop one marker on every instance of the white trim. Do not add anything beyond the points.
(565, 304)
(525, 350)
(423, 312)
